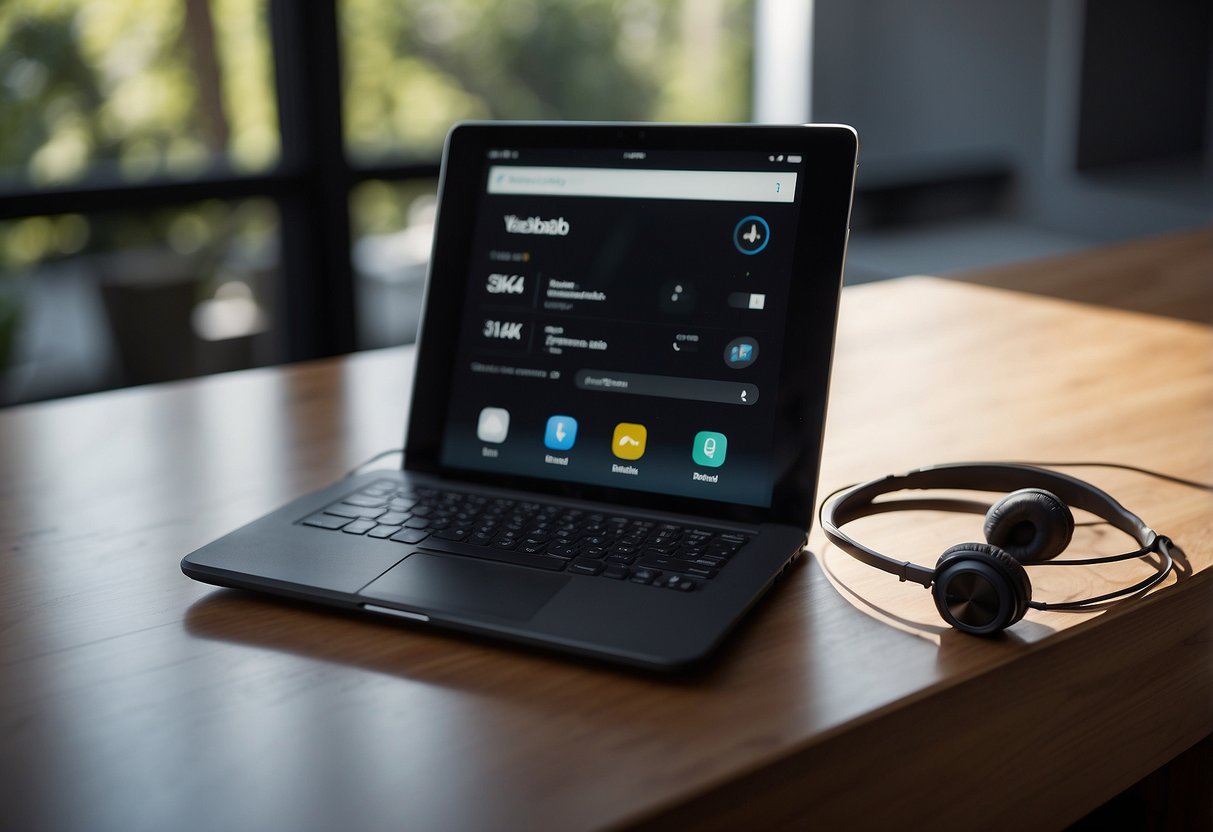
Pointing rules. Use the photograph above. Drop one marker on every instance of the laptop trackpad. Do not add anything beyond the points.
(465, 585)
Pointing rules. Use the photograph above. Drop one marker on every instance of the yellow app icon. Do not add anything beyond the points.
(629, 440)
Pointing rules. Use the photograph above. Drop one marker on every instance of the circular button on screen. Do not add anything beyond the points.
(751, 234)
(741, 352)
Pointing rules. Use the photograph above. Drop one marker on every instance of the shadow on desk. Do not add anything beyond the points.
(431, 655)
(916, 615)
(466, 661)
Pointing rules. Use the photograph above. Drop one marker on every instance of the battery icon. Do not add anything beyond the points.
(748, 300)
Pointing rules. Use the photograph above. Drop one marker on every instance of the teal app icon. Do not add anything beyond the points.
(710, 448)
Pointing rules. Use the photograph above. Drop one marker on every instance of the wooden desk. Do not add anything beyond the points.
(1168, 274)
(133, 698)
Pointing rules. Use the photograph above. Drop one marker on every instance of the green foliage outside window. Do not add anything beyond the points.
(144, 88)
(413, 67)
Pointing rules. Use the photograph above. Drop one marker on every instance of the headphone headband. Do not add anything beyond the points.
(858, 502)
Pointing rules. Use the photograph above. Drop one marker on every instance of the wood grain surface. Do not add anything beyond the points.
(133, 698)
(1168, 274)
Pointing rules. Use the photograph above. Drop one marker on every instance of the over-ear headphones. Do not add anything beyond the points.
(983, 588)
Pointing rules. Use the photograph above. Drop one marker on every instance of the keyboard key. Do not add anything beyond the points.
(326, 521)
(703, 560)
(347, 510)
(359, 526)
(452, 534)
(343, 510)
(393, 518)
(658, 562)
(678, 582)
(644, 576)
(417, 523)
(488, 553)
(616, 570)
(410, 536)
(365, 500)
(383, 531)
(673, 565)
(586, 567)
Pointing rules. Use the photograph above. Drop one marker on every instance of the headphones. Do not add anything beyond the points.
(983, 588)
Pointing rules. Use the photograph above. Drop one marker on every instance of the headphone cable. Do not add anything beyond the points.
(1200, 486)
(357, 468)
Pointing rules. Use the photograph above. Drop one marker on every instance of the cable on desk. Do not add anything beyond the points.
(1201, 486)
(358, 468)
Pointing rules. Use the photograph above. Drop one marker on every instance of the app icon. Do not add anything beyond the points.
(629, 440)
(561, 433)
(494, 425)
(741, 352)
(751, 234)
(710, 448)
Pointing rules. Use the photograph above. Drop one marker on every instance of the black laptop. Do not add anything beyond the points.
(619, 397)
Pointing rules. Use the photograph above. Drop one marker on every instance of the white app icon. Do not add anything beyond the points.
(494, 425)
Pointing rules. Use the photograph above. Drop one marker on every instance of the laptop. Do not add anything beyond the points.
(618, 402)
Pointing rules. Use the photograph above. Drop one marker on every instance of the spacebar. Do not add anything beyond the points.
(489, 553)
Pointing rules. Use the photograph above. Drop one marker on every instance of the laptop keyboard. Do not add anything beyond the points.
(539, 535)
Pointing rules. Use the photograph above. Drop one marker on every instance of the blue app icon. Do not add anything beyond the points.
(741, 352)
(561, 433)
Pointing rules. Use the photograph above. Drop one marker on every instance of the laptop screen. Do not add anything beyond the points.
(623, 319)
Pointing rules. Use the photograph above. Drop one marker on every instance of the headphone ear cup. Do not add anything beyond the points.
(980, 589)
(1030, 524)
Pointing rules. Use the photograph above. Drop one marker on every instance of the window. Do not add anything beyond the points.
(226, 183)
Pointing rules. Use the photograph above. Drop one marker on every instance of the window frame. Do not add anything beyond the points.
(313, 300)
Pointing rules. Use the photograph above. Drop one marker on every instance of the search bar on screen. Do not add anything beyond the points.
(668, 387)
(631, 183)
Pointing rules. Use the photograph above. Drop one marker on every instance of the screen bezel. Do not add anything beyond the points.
(830, 153)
